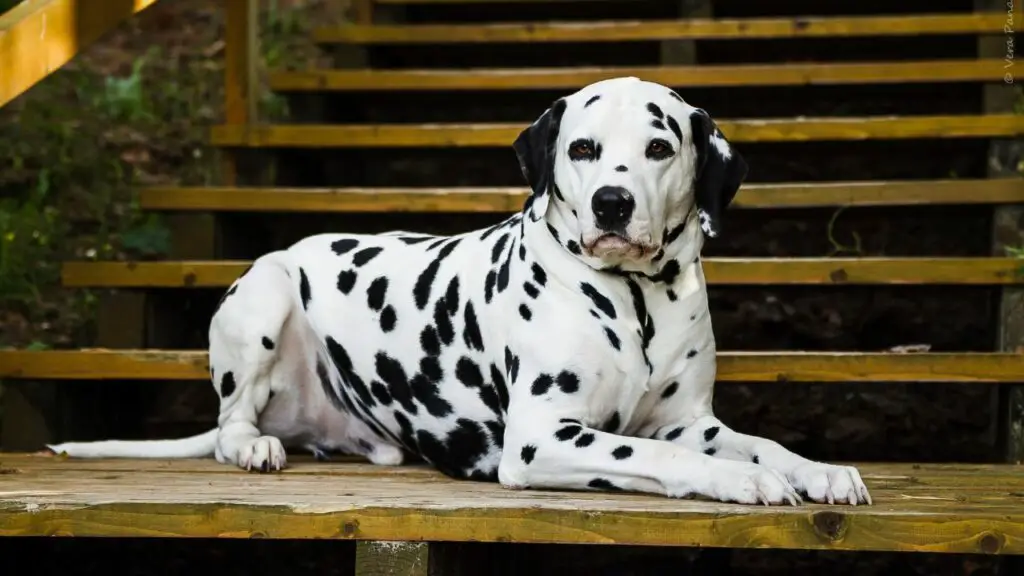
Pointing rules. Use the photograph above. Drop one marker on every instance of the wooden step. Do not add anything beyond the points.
(503, 134)
(966, 367)
(953, 508)
(510, 199)
(657, 30)
(795, 74)
(719, 271)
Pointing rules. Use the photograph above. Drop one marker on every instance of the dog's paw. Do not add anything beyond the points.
(262, 454)
(753, 484)
(829, 483)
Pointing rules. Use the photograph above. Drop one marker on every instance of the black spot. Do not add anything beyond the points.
(710, 433)
(497, 430)
(268, 343)
(346, 280)
(365, 255)
(612, 425)
(554, 232)
(304, 292)
(344, 364)
(654, 109)
(427, 391)
(499, 246)
(568, 382)
(270, 395)
(710, 451)
(613, 339)
(508, 359)
(568, 432)
(392, 373)
(672, 296)
(469, 373)
(471, 333)
(622, 452)
(514, 373)
(414, 239)
(522, 252)
(229, 292)
(388, 318)
(490, 399)
(489, 282)
(527, 453)
(668, 273)
(594, 313)
(421, 291)
(344, 246)
(376, 292)
(530, 289)
(429, 341)
(585, 440)
(557, 191)
(570, 420)
(755, 459)
(443, 322)
(670, 390)
(524, 311)
(693, 316)
(539, 275)
(675, 433)
(600, 300)
(675, 95)
(674, 127)
(540, 385)
(691, 353)
(498, 380)
(227, 384)
(658, 124)
(494, 228)
(593, 99)
(621, 168)
(430, 367)
(437, 242)
(380, 392)
(503, 272)
(602, 484)
(466, 444)
(573, 247)
(671, 237)
(451, 296)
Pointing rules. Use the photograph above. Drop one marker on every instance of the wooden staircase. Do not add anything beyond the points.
(339, 163)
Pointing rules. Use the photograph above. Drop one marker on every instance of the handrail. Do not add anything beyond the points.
(39, 36)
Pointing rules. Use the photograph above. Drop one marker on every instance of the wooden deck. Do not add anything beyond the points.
(937, 508)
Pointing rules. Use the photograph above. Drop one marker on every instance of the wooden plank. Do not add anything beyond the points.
(763, 367)
(510, 199)
(719, 271)
(376, 558)
(657, 30)
(241, 77)
(503, 134)
(413, 504)
(795, 74)
(39, 36)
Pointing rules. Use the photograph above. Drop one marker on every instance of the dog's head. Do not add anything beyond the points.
(624, 162)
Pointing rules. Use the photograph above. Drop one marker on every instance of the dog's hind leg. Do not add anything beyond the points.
(244, 334)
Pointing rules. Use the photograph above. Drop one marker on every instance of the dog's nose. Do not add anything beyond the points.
(612, 205)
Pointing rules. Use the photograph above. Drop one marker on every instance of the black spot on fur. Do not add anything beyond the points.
(710, 451)
(304, 291)
(489, 397)
(227, 384)
(527, 453)
(594, 313)
(430, 367)
(568, 382)
(429, 341)
(612, 425)
(668, 273)
(600, 300)
(388, 318)
(670, 390)
(499, 247)
(344, 246)
(621, 168)
(673, 235)
(344, 364)
(365, 255)
(710, 433)
(443, 322)
(380, 392)
(654, 109)
(471, 332)
(593, 99)
(497, 430)
(268, 343)
(346, 280)
(468, 372)
(466, 444)
(489, 282)
(503, 272)
(568, 432)
(622, 452)
(524, 311)
(437, 242)
(585, 440)
(603, 484)
(539, 275)
(508, 359)
(541, 384)
(573, 247)
(414, 239)
(613, 339)
(658, 124)
(426, 390)
(522, 252)
(554, 232)
(755, 459)
(530, 289)
(270, 395)
(675, 95)
(514, 373)
(691, 353)
(672, 296)
(451, 296)
(421, 291)
(498, 380)
(392, 373)
(675, 433)
(229, 292)
(674, 127)
(376, 292)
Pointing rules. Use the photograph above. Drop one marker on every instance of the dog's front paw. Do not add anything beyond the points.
(747, 483)
(262, 454)
(829, 483)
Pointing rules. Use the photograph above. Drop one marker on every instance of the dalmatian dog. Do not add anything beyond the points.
(566, 347)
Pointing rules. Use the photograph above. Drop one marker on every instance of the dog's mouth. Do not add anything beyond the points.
(613, 244)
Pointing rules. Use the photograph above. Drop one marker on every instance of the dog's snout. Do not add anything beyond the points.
(613, 206)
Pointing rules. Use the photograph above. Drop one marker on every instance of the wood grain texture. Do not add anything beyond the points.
(795, 74)
(718, 271)
(376, 558)
(503, 134)
(654, 30)
(917, 508)
(510, 199)
(750, 367)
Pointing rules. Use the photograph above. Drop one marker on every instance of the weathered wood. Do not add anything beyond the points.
(377, 558)
(206, 499)
(655, 30)
(39, 36)
(361, 11)
(503, 134)
(790, 74)
(747, 367)
(719, 271)
(241, 92)
(510, 199)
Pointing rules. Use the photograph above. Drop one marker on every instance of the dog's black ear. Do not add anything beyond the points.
(720, 171)
(535, 149)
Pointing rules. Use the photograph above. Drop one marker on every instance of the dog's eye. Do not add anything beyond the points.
(658, 149)
(581, 150)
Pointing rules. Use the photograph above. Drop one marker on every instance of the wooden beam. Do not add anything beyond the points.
(795, 74)
(746, 367)
(657, 30)
(376, 558)
(501, 135)
(719, 271)
(37, 37)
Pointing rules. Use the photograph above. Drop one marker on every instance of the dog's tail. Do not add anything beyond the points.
(199, 446)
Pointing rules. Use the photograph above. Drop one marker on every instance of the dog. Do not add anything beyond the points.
(566, 347)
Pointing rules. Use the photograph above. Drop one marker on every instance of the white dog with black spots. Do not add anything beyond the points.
(567, 347)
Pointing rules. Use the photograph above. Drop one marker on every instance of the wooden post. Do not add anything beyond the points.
(1004, 160)
(361, 11)
(392, 558)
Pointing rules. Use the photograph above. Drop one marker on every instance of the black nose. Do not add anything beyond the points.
(613, 205)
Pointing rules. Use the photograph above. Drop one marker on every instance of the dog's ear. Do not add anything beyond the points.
(720, 171)
(535, 149)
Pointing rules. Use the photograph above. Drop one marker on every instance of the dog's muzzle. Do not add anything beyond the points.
(613, 207)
